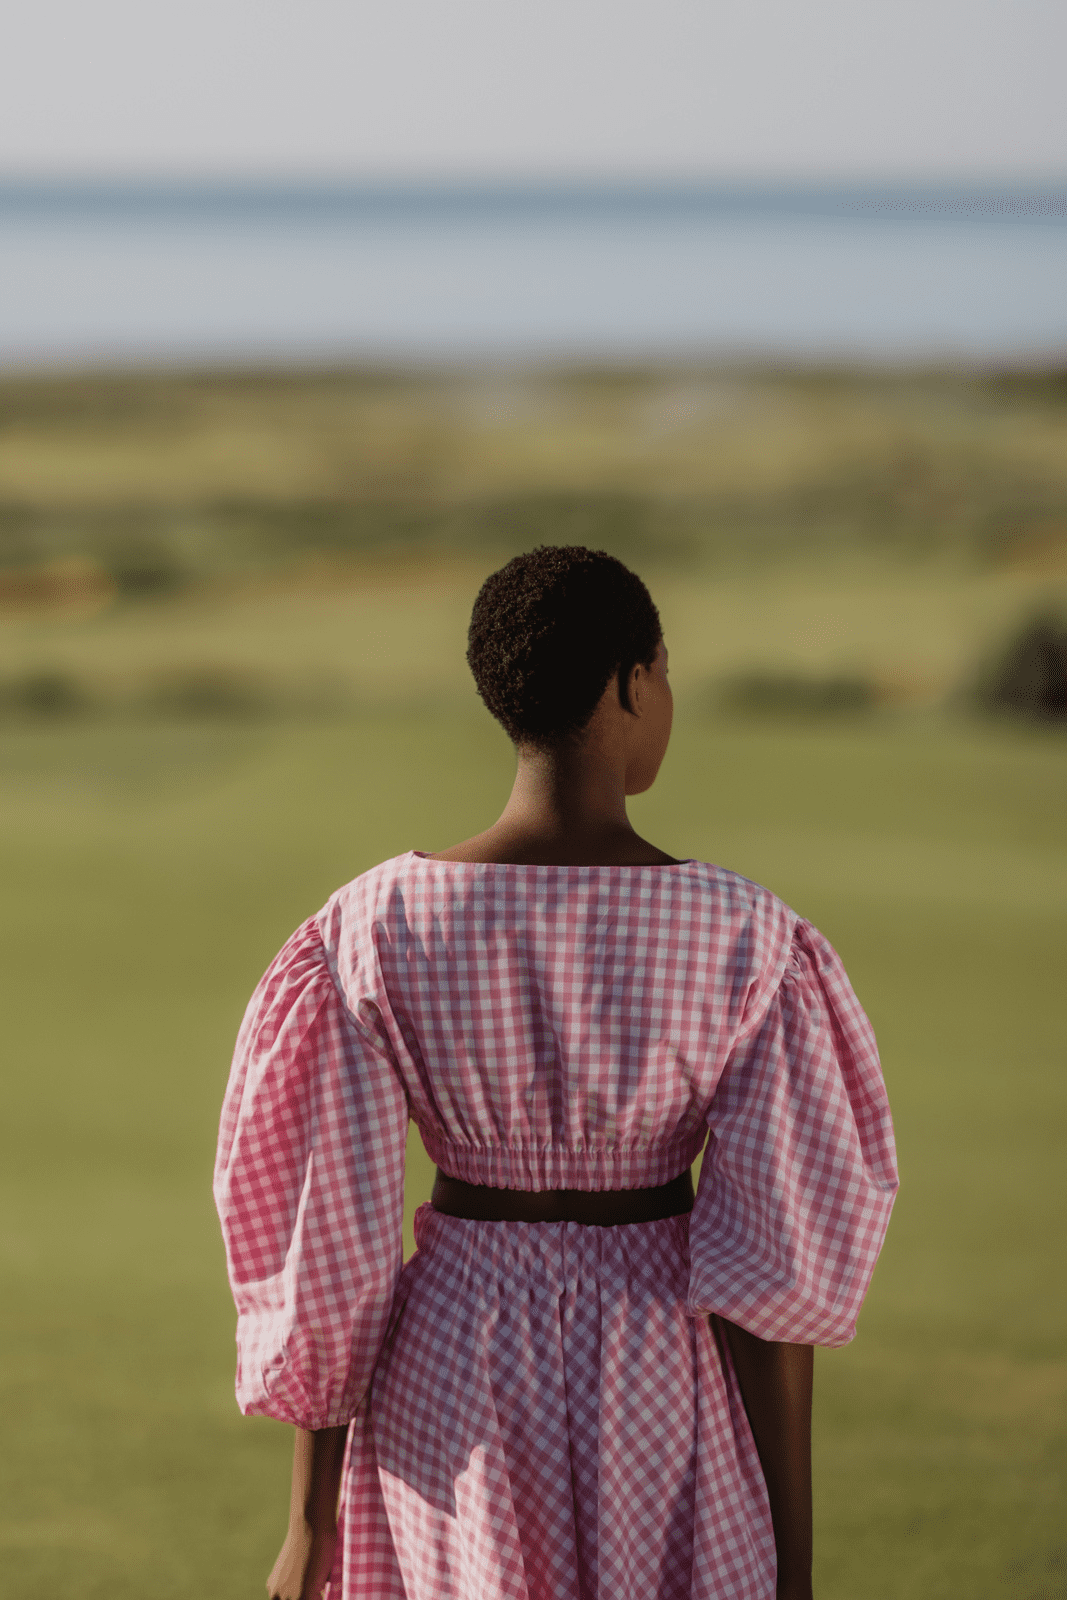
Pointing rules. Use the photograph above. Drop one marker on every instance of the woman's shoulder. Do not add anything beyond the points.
(363, 896)
(728, 896)
(417, 874)
(692, 892)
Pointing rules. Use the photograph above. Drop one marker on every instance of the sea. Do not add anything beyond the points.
(182, 273)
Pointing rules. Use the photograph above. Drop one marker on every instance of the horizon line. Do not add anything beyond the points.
(1035, 199)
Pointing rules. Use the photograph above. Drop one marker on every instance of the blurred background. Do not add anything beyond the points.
(309, 319)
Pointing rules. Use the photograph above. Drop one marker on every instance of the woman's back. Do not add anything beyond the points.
(557, 1027)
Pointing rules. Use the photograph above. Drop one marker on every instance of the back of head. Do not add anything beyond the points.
(548, 633)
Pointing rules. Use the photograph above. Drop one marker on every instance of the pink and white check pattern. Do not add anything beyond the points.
(539, 1411)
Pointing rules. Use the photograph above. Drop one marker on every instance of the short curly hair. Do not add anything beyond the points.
(548, 633)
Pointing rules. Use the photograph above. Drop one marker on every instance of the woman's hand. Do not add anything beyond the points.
(304, 1563)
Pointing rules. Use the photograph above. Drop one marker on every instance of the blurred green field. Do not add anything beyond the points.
(151, 871)
(232, 616)
(893, 527)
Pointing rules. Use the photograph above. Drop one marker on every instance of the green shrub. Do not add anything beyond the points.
(44, 696)
(226, 693)
(1030, 677)
(796, 695)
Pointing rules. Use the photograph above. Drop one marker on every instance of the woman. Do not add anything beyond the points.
(575, 1388)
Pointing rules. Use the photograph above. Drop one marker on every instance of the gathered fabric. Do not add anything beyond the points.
(540, 1411)
(593, 1436)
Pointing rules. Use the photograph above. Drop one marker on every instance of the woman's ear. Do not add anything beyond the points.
(634, 688)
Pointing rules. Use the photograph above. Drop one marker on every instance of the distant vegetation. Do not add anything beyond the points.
(1030, 678)
(175, 479)
(790, 694)
(146, 491)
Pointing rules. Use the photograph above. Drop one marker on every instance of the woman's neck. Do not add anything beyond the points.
(566, 808)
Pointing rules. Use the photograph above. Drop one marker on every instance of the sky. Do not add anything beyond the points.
(718, 89)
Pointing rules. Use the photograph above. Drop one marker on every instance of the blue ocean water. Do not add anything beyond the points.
(97, 273)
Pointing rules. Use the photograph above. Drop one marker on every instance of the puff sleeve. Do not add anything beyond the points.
(799, 1173)
(309, 1189)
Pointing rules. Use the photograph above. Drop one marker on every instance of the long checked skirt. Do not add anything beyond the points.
(548, 1422)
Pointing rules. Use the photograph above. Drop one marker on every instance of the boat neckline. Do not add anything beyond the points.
(562, 866)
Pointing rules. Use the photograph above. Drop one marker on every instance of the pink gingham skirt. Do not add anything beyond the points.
(548, 1422)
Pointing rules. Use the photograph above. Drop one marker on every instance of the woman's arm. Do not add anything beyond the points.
(775, 1382)
(303, 1565)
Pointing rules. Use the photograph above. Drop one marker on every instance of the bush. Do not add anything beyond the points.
(1030, 679)
(146, 573)
(44, 696)
(794, 695)
(225, 693)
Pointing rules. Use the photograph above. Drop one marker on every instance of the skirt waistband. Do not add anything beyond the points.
(597, 1208)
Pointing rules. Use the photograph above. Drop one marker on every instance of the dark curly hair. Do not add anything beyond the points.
(548, 633)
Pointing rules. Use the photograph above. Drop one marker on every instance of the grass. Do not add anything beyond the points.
(173, 481)
(232, 613)
(151, 872)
